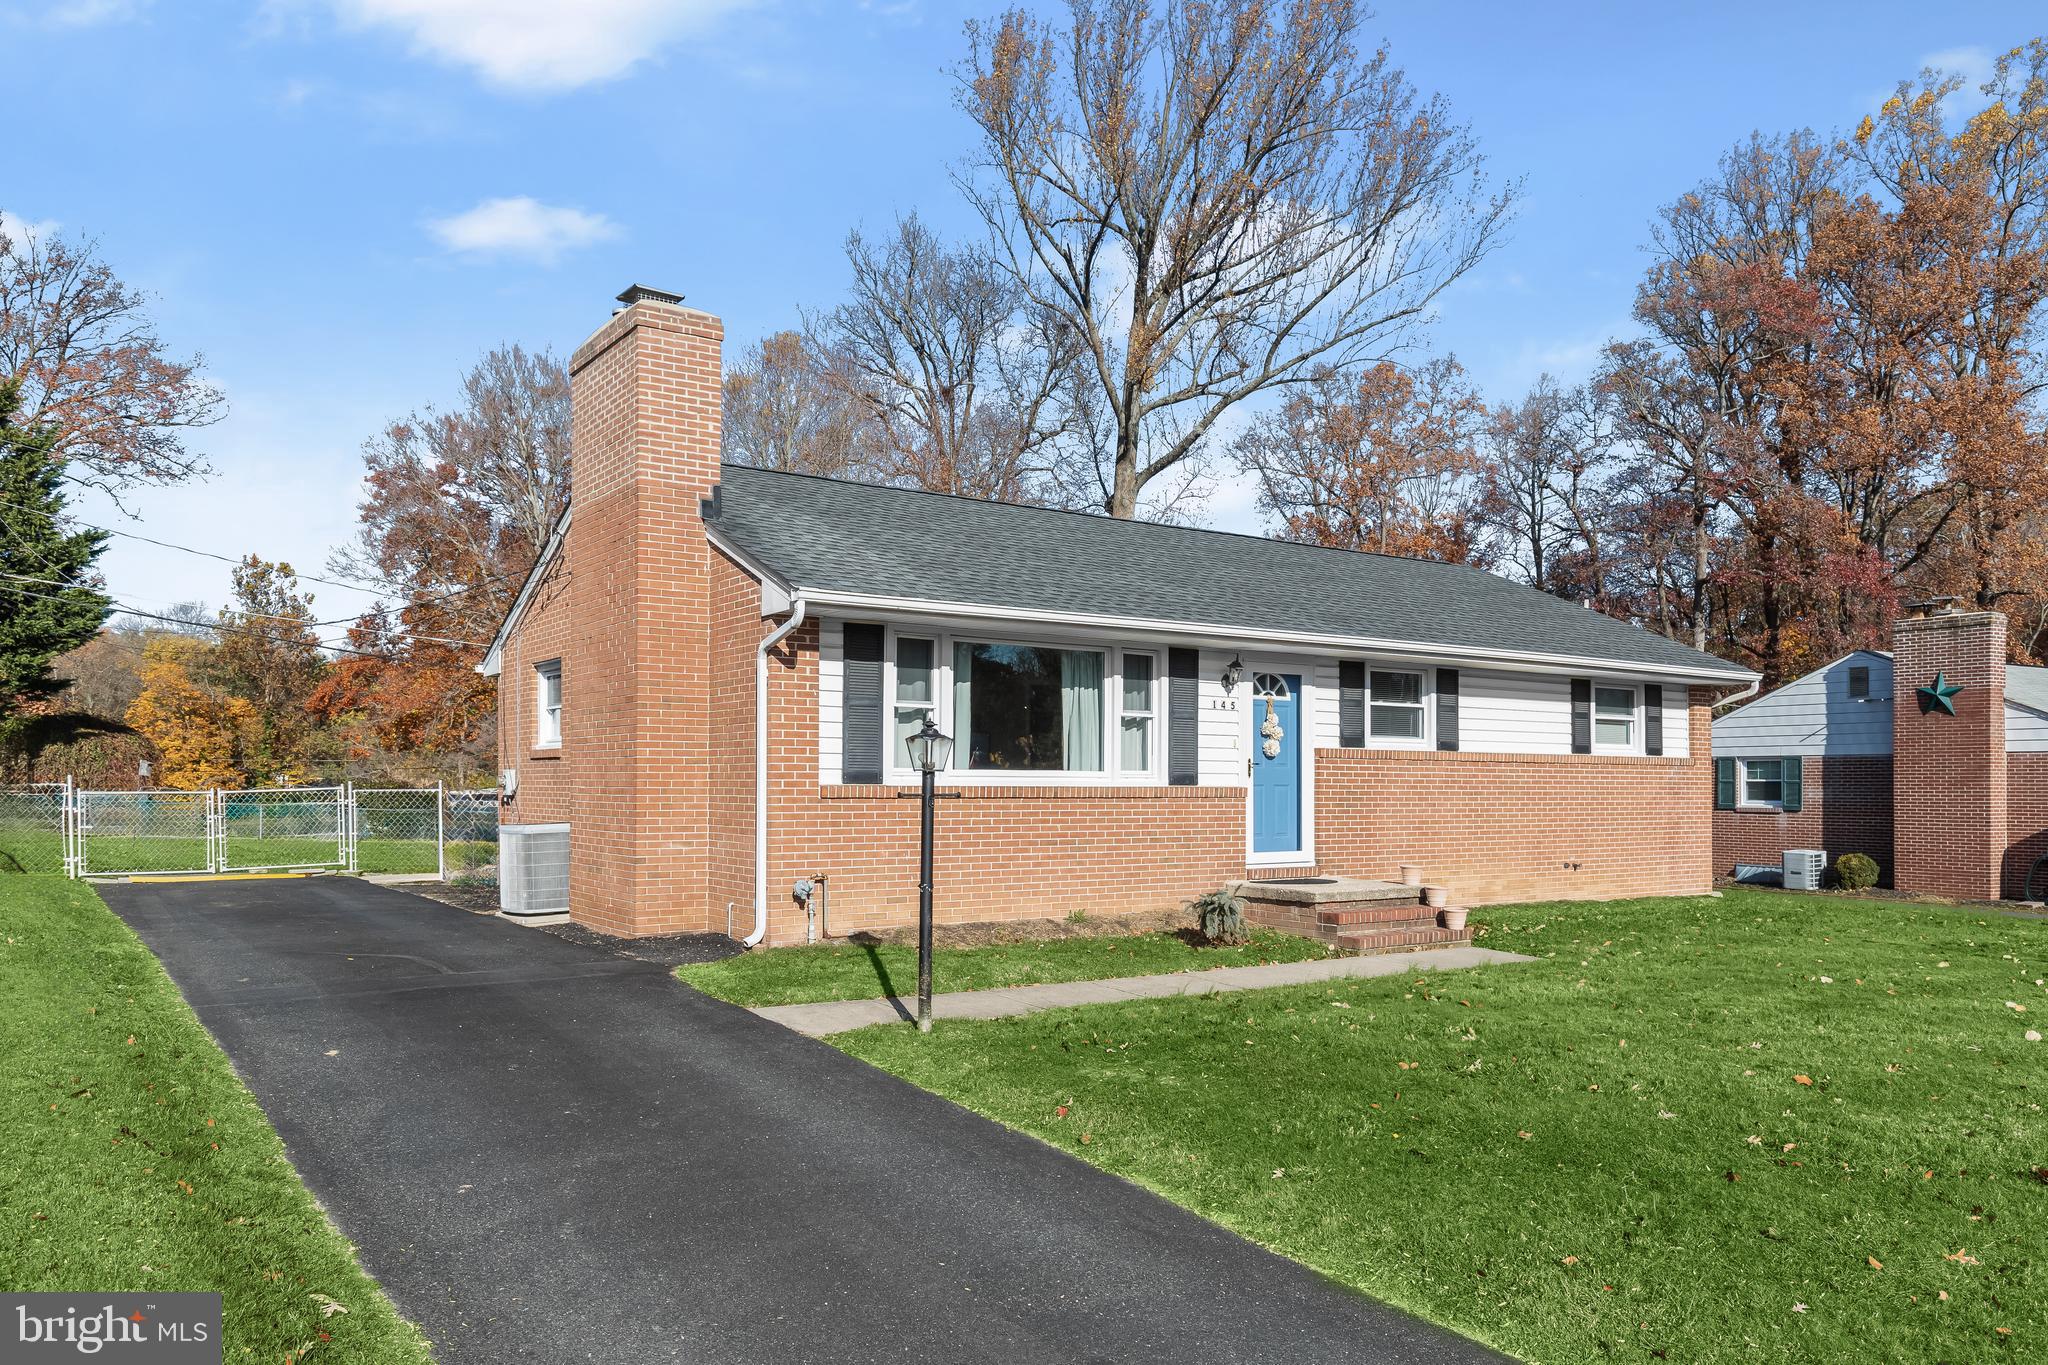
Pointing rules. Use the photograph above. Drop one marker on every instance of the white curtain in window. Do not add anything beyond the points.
(966, 752)
(1081, 710)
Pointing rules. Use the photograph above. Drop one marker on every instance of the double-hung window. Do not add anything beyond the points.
(1028, 708)
(1763, 783)
(547, 730)
(917, 692)
(1614, 719)
(1139, 720)
(1396, 705)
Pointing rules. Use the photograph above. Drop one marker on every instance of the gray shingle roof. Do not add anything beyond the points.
(831, 536)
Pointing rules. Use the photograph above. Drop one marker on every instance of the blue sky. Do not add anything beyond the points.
(341, 203)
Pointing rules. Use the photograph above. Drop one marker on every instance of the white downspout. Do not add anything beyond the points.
(774, 638)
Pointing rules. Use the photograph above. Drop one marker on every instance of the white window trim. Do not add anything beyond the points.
(1427, 702)
(1110, 775)
(1153, 714)
(1742, 800)
(1635, 711)
(544, 672)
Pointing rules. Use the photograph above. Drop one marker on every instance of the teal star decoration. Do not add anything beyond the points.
(1940, 693)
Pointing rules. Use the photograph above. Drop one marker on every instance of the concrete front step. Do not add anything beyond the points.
(1391, 940)
(1323, 891)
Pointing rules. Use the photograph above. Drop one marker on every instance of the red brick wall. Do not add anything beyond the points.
(1000, 852)
(2027, 809)
(1509, 827)
(546, 776)
(1846, 807)
(1949, 825)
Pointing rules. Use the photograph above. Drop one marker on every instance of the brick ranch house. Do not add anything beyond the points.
(1948, 794)
(705, 683)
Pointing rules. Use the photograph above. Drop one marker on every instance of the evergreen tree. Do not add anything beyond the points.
(49, 598)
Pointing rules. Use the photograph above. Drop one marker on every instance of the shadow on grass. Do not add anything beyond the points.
(874, 952)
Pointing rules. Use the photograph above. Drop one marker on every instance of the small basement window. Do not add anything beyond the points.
(1763, 783)
(548, 705)
(1614, 718)
(1396, 705)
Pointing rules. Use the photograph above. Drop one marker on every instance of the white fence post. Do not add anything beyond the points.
(441, 829)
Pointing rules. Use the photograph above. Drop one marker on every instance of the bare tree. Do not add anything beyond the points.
(784, 409)
(90, 363)
(955, 372)
(1217, 200)
(1547, 494)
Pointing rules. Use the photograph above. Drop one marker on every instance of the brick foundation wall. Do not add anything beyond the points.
(1511, 827)
(1949, 818)
(2027, 810)
(1846, 808)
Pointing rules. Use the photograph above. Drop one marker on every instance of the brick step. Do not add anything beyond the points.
(1349, 913)
(1394, 940)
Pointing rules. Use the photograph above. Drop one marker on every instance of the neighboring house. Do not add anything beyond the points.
(1954, 802)
(706, 683)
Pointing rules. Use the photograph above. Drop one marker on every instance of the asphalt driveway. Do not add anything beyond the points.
(550, 1153)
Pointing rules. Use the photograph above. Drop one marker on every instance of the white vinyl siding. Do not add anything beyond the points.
(1219, 722)
(2026, 731)
(831, 693)
(1814, 715)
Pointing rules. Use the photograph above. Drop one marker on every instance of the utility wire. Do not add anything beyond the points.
(225, 630)
(253, 615)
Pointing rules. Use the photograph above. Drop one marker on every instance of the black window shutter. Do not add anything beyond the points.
(1183, 737)
(1653, 718)
(1447, 708)
(1582, 715)
(1351, 703)
(1794, 773)
(1724, 784)
(861, 742)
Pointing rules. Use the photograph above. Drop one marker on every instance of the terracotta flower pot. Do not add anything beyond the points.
(1411, 874)
(1454, 917)
(1436, 897)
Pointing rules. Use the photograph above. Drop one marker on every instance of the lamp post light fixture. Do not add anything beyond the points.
(930, 752)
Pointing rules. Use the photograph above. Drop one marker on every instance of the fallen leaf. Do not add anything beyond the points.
(1875, 1264)
(131, 1040)
(1799, 1308)
(1087, 1137)
(1943, 1293)
(1524, 1135)
(1571, 1260)
(1961, 1256)
(1059, 1111)
(1803, 1079)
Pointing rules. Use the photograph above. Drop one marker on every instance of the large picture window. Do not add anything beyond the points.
(1027, 708)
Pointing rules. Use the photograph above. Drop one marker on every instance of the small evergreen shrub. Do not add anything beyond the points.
(1856, 871)
(1221, 916)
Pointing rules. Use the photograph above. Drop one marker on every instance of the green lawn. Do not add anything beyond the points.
(43, 851)
(132, 1158)
(797, 976)
(1759, 1128)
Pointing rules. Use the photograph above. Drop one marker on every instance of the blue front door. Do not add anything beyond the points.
(1276, 763)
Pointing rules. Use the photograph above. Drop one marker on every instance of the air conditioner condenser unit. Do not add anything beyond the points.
(1804, 868)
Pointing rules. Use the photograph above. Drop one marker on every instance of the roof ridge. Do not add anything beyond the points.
(1107, 520)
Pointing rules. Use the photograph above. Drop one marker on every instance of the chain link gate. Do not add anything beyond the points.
(282, 829)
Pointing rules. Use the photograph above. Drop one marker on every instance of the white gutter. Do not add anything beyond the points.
(773, 638)
(1252, 637)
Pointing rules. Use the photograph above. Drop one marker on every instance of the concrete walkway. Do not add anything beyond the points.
(838, 1016)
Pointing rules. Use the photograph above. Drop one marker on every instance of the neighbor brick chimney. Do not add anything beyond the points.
(637, 714)
(1949, 771)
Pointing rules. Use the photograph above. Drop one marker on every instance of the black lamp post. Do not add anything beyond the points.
(930, 752)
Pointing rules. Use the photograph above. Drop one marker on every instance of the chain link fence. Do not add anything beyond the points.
(34, 830)
(396, 831)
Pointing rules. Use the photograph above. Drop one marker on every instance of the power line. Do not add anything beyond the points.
(252, 615)
(225, 630)
(360, 585)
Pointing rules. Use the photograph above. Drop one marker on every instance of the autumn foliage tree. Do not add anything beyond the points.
(268, 657)
(202, 736)
(81, 347)
(1383, 460)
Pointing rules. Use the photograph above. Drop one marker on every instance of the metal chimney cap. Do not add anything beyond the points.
(641, 293)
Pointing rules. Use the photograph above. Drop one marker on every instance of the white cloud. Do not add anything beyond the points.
(522, 228)
(539, 45)
(86, 13)
(23, 231)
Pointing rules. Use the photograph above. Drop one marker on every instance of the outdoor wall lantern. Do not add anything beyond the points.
(930, 753)
(1233, 673)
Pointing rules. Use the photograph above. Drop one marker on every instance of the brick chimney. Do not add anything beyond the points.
(1948, 751)
(644, 431)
